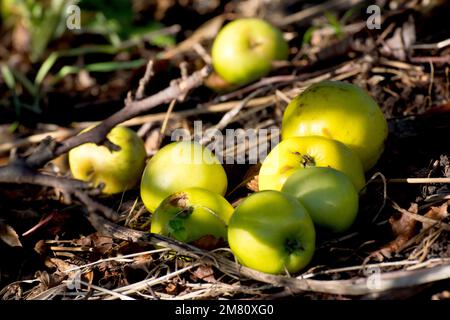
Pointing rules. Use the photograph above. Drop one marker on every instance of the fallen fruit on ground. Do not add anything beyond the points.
(118, 170)
(339, 111)
(327, 194)
(297, 153)
(272, 232)
(244, 50)
(178, 166)
(191, 215)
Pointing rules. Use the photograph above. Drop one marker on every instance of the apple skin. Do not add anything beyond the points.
(117, 170)
(178, 166)
(298, 153)
(327, 194)
(191, 214)
(272, 232)
(244, 50)
(339, 111)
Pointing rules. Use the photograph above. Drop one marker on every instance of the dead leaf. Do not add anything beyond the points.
(436, 213)
(400, 43)
(404, 225)
(100, 244)
(89, 278)
(61, 265)
(41, 247)
(205, 273)
(250, 179)
(152, 142)
(403, 228)
(9, 235)
(172, 288)
(216, 83)
(141, 262)
(253, 184)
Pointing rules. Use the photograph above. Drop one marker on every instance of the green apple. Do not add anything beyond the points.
(178, 166)
(244, 50)
(298, 153)
(272, 232)
(339, 111)
(117, 170)
(191, 214)
(327, 194)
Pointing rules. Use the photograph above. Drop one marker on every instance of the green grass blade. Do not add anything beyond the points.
(8, 77)
(101, 67)
(45, 68)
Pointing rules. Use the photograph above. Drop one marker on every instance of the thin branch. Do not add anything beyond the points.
(50, 150)
(419, 180)
(359, 286)
(20, 174)
(140, 93)
(23, 170)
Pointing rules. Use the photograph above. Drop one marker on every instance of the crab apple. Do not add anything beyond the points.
(117, 170)
(178, 166)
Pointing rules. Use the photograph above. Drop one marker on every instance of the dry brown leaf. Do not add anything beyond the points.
(141, 262)
(216, 83)
(41, 247)
(404, 225)
(172, 288)
(9, 235)
(436, 213)
(205, 273)
(101, 244)
(89, 278)
(404, 228)
(400, 43)
(152, 142)
(143, 259)
(59, 264)
(253, 184)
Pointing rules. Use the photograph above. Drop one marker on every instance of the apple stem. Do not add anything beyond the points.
(308, 161)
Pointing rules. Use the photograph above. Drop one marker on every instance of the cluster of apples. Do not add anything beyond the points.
(331, 133)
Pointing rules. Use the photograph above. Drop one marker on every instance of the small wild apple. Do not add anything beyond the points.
(272, 232)
(339, 111)
(118, 170)
(244, 50)
(327, 194)
(178, 166)
(191, 214)
(297, 153)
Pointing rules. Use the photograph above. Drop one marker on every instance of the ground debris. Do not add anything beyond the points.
(404, 228)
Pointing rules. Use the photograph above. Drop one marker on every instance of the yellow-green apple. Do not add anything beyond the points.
(178, 166)
(327, 194)
(303, 152)
(117, 170)
(272, 232)
(339, 111)
(244, 50)
(193, 214)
